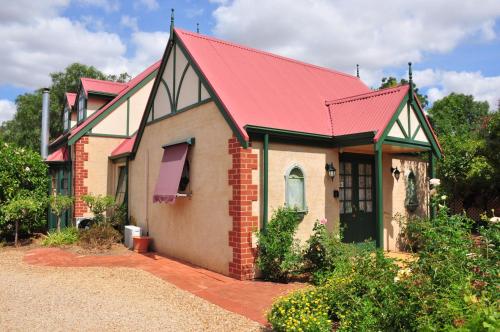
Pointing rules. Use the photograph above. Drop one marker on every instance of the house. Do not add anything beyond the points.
(98, 119)
(231, 133)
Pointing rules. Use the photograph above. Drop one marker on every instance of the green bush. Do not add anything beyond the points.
(99, 236)
(278, 252)
(58, 205)
(19, 211)
(23, 175)
(304, 310)
(99, 204)
(452, 285)
(67, 236)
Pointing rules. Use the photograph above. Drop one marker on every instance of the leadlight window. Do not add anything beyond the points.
(411, 200)
(81, 107)
(365, 187)
(295, 189)
(66, 118)
(345, 188)
(121, 186)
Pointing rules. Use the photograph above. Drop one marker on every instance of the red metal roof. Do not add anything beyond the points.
(60, 155)
(262, 89)
(124, 147)
(71, 97)
(93, 85)
(129, 86)
(369, 112)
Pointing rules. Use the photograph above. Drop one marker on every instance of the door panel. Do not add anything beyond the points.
(356, 197)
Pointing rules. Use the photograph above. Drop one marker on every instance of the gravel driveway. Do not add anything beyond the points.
(101, 299)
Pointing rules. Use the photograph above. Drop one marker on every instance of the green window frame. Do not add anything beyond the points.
(295, 188)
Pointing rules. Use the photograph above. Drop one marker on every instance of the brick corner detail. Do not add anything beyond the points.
(79, 175)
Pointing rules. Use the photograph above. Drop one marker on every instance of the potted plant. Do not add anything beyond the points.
(141, 244)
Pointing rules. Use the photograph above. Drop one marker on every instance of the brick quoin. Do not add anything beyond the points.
(79, 174)
(244, 192)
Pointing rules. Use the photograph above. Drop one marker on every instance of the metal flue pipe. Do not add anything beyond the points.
(44, 136)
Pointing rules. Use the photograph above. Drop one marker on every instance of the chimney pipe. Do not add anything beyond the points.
(44, 137)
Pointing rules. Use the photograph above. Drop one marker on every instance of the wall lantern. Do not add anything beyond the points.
(330, 170)
(396, 173)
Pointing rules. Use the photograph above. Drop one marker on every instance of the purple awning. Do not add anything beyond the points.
(172, 163)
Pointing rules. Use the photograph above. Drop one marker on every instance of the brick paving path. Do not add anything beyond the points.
(251, 299)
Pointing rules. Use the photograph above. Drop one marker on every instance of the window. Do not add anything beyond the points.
(121, 186)
(81, 107)
(295, 189)
(183, 183)
(345, 189)
(365, 187)
(411, 200)
(66, 118)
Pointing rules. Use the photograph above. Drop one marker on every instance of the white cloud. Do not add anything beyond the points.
(149, 4)
(7, 110)
(107, 5)
(129, 22)
(441, 83)
(48, 42)
(338, 34)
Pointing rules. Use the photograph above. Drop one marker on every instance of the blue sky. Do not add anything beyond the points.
(453, 47)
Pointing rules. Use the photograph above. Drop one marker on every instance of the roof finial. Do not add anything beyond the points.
(197, 27)
(172, 23)
(410, 76)
(357, 70)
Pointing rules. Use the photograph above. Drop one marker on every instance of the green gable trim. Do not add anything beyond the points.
(213, 95)
(107, 135)
(416, 132)
(402, 128)
(128, 115)
(102, 94)
(119, 102)
(172, 107)
(409, 141)
(180, 84)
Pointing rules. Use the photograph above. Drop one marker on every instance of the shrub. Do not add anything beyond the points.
(59, 204)
(67, 236)
(304, 310)
(23, 174)
(20, 211)
(99, 236)
(278, 252)
(99, 205)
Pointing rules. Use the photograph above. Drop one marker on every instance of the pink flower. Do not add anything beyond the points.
(323, 221)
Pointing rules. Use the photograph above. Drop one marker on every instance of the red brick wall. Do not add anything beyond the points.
(240, 209)
(79, 174)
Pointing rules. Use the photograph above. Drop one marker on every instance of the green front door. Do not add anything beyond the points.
(61, 184)
(357, 217)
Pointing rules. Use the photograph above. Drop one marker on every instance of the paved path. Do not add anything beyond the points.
(251, 299)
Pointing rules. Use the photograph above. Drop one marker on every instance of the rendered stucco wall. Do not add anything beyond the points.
(194, 229)
(395, 193)
(318, 187)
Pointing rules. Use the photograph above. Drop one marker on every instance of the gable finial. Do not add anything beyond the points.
(357, 70)
(172, 23)
(410, 76)
(197, 27)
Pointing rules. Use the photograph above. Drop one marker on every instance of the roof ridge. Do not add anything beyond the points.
(251, 49)
(104, 81)
(367, 95)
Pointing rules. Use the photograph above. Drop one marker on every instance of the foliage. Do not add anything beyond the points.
(67, 236)
(23, 176)
(99, 205)
(304, 310)
(58, 205)
(24, 128)
(99, 236)
(389, 82)
(279, 253)
(469, 138)
(21, 210)
(118, 217)
(451, 285)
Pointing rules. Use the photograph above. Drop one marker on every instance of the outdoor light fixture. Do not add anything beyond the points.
(396, 173)
(330, 170)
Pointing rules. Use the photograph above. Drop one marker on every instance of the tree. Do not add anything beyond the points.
(24, 128)
(468, 167)
(98, 205)
(58, 205)
(23, 175)
(21, 209)
(389, 82)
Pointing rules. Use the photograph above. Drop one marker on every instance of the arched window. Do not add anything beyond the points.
(411, 201)
(295, 189)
